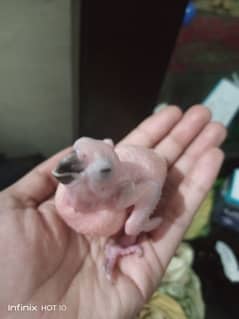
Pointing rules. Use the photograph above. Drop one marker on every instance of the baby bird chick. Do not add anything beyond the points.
(105, 191)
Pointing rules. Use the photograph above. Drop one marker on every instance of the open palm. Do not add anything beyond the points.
(45, 263)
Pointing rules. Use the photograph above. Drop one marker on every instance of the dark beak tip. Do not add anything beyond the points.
(64, 178)
(67, 168)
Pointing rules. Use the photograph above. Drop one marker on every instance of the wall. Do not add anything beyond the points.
(35, 76)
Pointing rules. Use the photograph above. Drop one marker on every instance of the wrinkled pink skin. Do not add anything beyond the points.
(117, 192)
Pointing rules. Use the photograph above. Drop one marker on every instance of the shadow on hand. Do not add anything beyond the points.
(171, 205)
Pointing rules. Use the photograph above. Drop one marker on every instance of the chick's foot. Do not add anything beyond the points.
(114, 251)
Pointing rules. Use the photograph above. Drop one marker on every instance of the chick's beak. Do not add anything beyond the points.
(67, 169)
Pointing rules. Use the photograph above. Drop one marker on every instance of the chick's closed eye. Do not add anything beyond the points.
(103, 168)
(106, 170)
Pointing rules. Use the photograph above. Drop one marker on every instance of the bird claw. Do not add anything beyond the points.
(113, 252)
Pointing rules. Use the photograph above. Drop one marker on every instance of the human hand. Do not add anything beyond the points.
(46, 263)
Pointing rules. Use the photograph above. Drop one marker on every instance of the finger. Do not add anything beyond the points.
(39, 184)
(183, 133)
(212, 135)
(185, 203)
(154, 128)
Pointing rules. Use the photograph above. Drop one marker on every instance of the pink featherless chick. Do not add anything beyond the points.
(110, 192)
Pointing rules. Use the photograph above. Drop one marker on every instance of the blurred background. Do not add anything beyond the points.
(97, 68)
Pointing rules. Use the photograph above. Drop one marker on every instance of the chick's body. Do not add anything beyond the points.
(103, 182)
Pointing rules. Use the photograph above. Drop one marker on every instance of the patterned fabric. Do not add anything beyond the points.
(179, 295)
